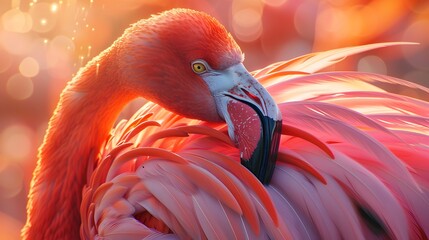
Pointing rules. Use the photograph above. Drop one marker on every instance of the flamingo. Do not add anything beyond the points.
(284, 152)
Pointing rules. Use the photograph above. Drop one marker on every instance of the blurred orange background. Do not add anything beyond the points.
(43, 43)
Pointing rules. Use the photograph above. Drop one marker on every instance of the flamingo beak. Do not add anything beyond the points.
(253, 119)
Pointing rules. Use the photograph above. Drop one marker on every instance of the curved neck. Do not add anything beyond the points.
(86, 112)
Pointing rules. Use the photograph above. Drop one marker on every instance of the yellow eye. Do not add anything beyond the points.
(199, 67)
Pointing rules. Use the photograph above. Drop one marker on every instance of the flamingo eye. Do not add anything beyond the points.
(199, 67)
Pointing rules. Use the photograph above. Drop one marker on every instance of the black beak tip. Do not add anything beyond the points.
(263, 160)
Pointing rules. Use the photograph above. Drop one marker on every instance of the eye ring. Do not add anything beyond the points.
(199, 67)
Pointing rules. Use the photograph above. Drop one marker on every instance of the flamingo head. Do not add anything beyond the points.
(187, 62)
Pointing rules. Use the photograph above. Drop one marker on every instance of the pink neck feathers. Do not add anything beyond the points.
(81, 123)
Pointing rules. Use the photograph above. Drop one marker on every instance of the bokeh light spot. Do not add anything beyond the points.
(274, 3)
(417, 55)
(372, 64)
(15, 20)
(29, 67)
(16, 142)
(247, 24)
(11, 181)
(59, 50)
(305, 18)
(6, 61)
(19, 87)
(43, 22)
(15, 43)
(54, 7)
(43, 17)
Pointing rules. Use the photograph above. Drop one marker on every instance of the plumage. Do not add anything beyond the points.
(352, 163)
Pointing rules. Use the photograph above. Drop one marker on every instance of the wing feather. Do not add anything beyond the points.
(313, 62)
(320, 84)
(177, 202)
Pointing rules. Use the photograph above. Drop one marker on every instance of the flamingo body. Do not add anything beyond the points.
(342, 173)
(352, 160)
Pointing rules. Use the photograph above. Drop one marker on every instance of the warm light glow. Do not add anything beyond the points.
(6, 61)
(418, 55)
(304, 20)
(89, 51)
(15, 148)
(19, 87)
(247, 24)
(16, 21)
(15, 142)
(29, 67)
(59, 50)
(333, 23)
(44, 43)
(54, 7)
(15, 43)
(274, 3)
(11, 179)
(44, 18)
(43, 22)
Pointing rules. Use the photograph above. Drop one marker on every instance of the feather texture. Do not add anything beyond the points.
(352, 164)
